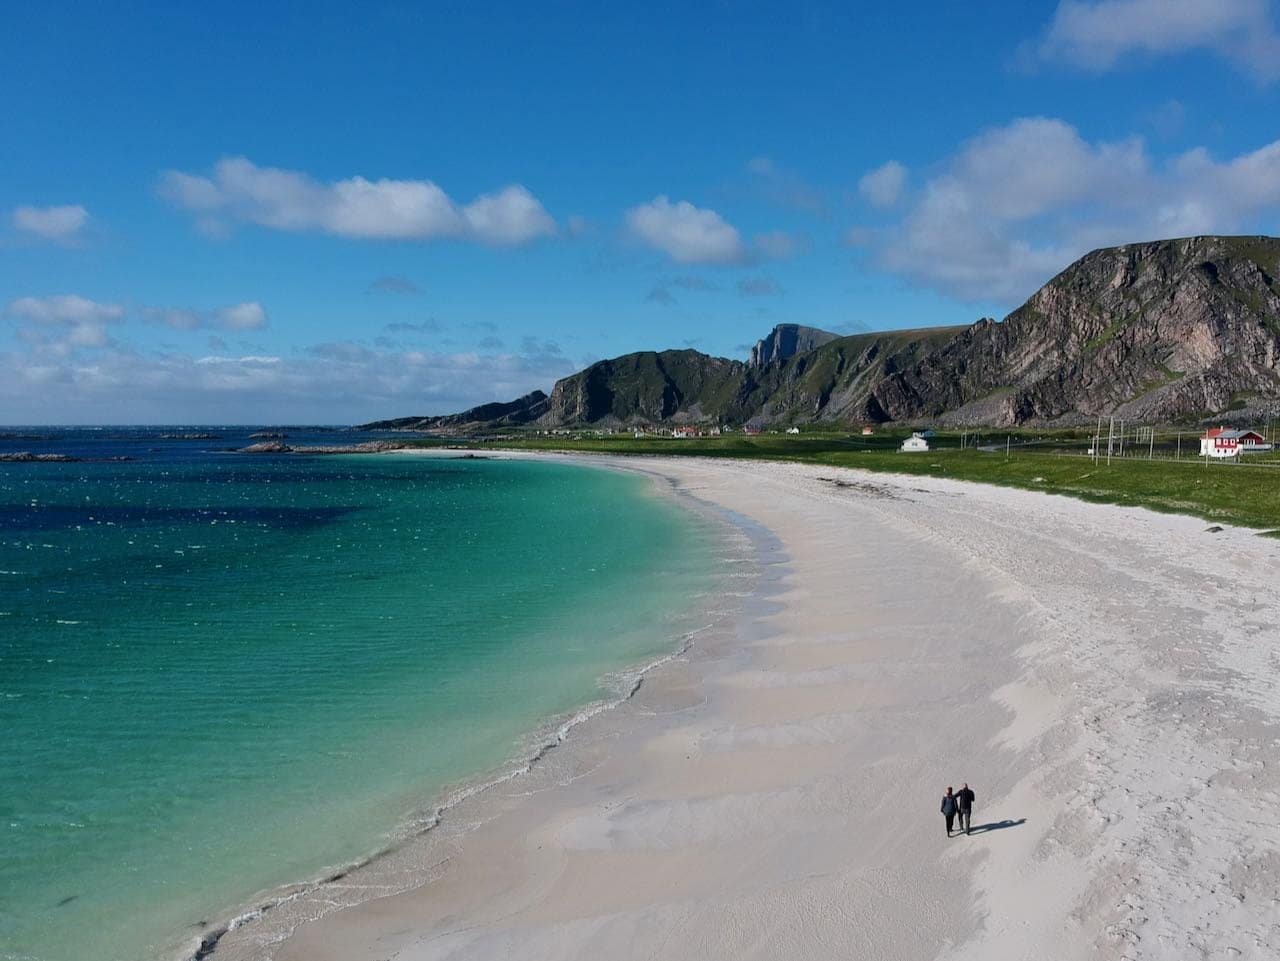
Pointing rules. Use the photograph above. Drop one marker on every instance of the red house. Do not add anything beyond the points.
(1220, 442)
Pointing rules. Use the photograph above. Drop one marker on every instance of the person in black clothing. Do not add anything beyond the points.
(964, 807)
(949, 809)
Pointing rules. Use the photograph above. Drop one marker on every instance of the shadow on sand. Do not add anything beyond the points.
(996, 826)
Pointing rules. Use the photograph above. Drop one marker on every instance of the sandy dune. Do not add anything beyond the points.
(1104, 678)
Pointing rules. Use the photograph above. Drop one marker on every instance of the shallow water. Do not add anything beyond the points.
(221, 674)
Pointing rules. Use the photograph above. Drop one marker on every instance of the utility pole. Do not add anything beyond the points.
(1007, 438)
(1151, 443)
(1097, 440)
(1179, 445)
(1111, 433)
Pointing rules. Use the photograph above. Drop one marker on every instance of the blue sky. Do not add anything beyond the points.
(335, 212)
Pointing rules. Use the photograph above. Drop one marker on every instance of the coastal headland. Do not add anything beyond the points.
(1103, 677)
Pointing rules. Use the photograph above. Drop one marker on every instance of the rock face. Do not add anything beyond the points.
(1163, 331)
(1173, 330)
(787, 340)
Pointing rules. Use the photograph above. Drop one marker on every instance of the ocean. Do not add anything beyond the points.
(223, 673)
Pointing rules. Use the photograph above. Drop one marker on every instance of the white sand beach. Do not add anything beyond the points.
(1105, 679)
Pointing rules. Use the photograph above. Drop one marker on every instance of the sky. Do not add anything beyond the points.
(332, 213)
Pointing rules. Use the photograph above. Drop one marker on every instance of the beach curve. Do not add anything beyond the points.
(1102, 676)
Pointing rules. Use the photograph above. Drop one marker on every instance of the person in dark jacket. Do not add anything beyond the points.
(964, 807)
(949, 809)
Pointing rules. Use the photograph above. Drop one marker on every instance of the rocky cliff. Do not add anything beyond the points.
(787, 340)
(1163, 331)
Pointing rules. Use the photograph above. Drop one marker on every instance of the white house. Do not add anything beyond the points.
(915, 444)
(1220, 442)
(793, 430)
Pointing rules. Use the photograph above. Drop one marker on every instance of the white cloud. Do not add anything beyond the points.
(246, 316)
(241, 191)
(685, 233)
(63, 309)
(257, 359)
(883, 186)
(87, 335)
(511, 217)
(86, 317)
(335, 383)
(1098, 34)
(59, 224)
(697, 235)
(1018, 203)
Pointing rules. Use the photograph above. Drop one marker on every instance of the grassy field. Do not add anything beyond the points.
(1246, 493)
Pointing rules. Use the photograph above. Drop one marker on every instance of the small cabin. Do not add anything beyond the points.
(868, 431)
(1220, 442)
(793, 430)
(915, 444)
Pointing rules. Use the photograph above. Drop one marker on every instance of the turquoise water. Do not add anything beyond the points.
(228, 674)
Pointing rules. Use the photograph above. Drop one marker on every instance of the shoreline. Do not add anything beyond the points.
(623, 683)
(771, 793)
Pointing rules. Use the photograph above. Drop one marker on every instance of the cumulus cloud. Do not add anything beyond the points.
(697, 235)
(61, 325)
(685, 233)
(1098, 34)
(82, 321)
(240, 191)
(1017, 203)
(246, 316)
(64, 309)
(883, 186)
(63, 225)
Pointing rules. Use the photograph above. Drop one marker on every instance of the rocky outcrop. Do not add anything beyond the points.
(27, 457)
(279, 447)
(785, 341)
(1164, 331)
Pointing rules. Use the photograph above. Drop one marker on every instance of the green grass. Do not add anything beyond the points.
(1246, 494)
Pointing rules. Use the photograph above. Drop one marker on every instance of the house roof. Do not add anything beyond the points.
(1221, 433)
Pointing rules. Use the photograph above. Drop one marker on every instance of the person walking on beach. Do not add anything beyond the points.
(949, 809)
(964, 807)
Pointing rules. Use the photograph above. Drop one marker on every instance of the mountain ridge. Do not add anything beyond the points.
(1167, 330)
